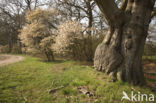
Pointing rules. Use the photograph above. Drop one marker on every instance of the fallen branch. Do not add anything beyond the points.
(55, 89)
(85, 91)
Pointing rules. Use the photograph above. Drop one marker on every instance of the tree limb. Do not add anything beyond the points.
(124, 4)
(53, 26)
(110, 10)
(55, 89)
(153, 13)
(74, 5)
(7, 13)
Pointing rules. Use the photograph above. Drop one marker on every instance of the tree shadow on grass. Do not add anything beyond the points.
(55, 61)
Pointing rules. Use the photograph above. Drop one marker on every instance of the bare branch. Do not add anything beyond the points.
(5, 12)
(53, 26)
(124, 4)
(110, 10)
(74, 5)
(153, 13)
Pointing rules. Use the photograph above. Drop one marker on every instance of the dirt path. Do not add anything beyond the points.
(8, 59)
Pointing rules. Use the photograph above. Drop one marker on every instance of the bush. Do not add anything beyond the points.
(73, 40)
(68, 38)
(150, 49)
(16, 49)
(39, 35)
(4, 49)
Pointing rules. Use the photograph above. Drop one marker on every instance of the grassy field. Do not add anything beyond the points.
(30, 80)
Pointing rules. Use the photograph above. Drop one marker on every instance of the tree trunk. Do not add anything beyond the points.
(89, 45)
(52, 56)
(47, 56)
(120, 53)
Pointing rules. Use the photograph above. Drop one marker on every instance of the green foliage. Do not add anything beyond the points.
(29, 81)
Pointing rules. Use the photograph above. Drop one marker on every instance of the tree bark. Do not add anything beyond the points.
(52, 56)
(47, 56)
(120, 53)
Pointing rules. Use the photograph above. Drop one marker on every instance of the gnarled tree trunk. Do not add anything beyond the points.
(120, 53)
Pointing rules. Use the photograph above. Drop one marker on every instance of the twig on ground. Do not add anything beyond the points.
(55, 89)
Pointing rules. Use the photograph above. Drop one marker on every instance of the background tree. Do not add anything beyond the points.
(84, 11)
(12, 14)
(121, 51)
(39, 34)
(150, 46)
(69, 39)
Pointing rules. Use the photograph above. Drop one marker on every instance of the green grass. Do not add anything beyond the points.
(150, 58)
(29, 81)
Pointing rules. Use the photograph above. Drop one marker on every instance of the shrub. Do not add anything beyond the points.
(150, 49)
(4, 49)
(73, 40)
(16, 49)
(68, 39)
(39, 35)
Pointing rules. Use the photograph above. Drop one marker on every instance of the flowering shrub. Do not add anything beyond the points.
(73, 39)
(69, 33)
(38, 34)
